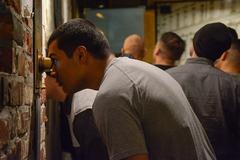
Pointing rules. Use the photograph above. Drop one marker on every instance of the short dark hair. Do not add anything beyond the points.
(212, 40)
(174, 43)
(233, 33)
(80, 32)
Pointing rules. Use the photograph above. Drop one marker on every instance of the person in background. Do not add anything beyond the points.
(168, 50)
(86, 143)
(140, 111)
(229, 62)
(213, 94)
(133, 47)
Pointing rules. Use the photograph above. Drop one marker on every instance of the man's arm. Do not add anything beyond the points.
(53, 90)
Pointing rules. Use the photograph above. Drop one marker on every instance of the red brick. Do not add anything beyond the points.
(22, 147)
(18, 148)
(17, 30)
(5, 127)
(30, 66)
(6, 30)
(23, 119)
(13, 112)
(5, 133)
(28, 42)
(15, 4)
(3, 156)
(6, 60)
(5, 13)
(16, 93)
(28, 95)
(1, 92)
(25, 147)
(21, 65)
(6, 26)
(5, 85)
(12, 151)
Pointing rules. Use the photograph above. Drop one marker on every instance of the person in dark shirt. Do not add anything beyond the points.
(168, 50)
(213, 94)
(229, 61)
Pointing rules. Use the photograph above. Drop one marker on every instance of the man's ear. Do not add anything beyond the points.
(224, 56)
(156, 51)
(122, 51)
(80, 54)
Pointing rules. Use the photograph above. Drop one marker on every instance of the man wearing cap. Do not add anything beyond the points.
(213, 94)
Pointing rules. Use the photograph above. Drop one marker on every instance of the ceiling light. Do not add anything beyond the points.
(99, 15)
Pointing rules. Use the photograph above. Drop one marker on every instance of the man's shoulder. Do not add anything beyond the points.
(179, 69)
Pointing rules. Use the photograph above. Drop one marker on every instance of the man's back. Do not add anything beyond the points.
(141, 109)
(214, 96)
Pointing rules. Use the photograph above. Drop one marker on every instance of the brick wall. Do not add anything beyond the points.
(16, 79)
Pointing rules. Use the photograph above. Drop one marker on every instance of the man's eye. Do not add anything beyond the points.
(54, 61)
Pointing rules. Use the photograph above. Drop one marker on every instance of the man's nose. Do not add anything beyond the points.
(53, 74)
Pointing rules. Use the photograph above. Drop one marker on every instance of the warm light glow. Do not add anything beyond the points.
(101, 6)
(99, 15)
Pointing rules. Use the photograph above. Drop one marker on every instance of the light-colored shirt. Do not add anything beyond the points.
(81, 101)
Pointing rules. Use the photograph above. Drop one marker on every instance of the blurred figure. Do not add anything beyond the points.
(213, 94)
(229, 62)
(168, 50)
(85, 138)
(133, 47)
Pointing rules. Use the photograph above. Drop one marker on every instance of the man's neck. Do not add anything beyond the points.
(231, 69)
(164, 61)
(96, 72)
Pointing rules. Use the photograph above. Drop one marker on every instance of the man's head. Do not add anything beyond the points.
(212, 40)
(170, 48)
(78, 49)
(134, 46)
(230, 60)
(79, 32)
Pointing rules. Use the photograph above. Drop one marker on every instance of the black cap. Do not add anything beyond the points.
(212, 40)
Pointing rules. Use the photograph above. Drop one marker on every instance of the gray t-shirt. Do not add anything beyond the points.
(140, 109)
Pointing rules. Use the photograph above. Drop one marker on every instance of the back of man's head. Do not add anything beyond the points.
(212, 40)
(134, 46)
(78, 32)
(174, 45)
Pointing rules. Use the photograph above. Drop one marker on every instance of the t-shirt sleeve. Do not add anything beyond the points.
(119, 124)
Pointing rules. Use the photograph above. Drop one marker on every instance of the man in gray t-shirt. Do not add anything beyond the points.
(140, 111)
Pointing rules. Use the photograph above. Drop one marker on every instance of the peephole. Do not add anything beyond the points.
(45, 64)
